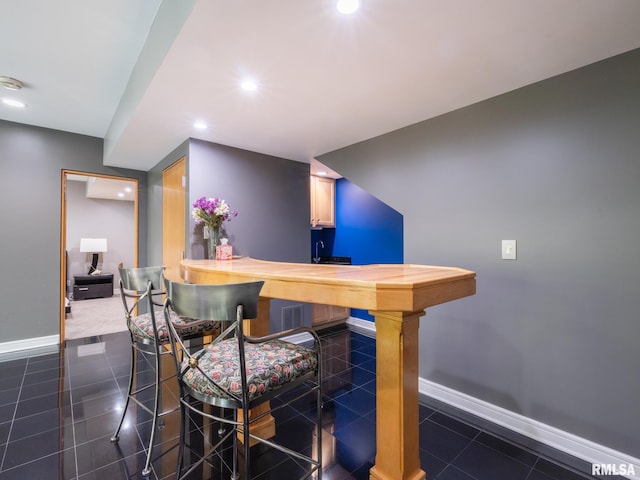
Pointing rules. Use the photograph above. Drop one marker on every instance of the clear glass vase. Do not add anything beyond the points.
(213, 242)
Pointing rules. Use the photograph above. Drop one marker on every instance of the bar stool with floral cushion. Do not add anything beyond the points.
(239, 372)
(142, 294)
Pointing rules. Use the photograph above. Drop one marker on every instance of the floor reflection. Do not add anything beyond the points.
(59, 409)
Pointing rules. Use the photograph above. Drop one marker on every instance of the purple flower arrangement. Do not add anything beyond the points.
(212, 212)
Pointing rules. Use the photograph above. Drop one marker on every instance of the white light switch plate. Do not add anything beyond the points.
(508, 249)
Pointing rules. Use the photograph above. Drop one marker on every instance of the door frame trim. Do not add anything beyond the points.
(63, 231)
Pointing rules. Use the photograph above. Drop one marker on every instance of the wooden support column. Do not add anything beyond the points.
(397, 419)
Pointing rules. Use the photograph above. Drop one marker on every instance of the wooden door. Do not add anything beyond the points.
(174, 221)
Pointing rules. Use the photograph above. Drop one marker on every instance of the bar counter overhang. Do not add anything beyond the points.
(396, 295)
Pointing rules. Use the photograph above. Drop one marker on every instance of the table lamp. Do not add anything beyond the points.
(94, 246)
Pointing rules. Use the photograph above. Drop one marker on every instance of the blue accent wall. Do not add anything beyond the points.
(367, 230)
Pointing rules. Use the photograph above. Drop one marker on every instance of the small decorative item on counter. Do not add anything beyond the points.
(211, 212)
(224, 251)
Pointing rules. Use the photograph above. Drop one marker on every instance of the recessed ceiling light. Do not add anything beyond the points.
(128, 189)
(322, 173)
(249, 85)
(200, 126)
(13, 103)
(120, 194)
(10, 83)
(347, 6)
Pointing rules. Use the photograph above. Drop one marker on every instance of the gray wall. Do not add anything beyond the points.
(98, 218)
(31, 160)
(271, 195)
(554, 334)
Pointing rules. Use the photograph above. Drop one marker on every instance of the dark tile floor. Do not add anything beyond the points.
(58, 412)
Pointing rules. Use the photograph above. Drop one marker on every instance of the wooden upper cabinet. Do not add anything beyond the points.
(323, 202)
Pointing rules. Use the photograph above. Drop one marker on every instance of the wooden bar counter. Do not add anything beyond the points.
(396, 295)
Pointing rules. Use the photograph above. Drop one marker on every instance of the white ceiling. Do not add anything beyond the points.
(140, 72)
(106, 188)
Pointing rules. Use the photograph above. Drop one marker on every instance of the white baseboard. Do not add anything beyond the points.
(361, 326)
(299, 338)
(29, 343)
(569, 443)
(365, 327)
(561, 440)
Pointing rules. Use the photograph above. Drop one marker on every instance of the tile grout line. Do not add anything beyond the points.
(67, 371)
(533, 467)
(13, 418)
(471, 440)
(133, 358)
(474, 439)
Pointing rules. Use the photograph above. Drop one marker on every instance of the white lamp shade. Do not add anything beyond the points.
(93, 245)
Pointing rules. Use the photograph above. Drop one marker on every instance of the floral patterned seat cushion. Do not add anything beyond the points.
(269, 365)
(142, 328)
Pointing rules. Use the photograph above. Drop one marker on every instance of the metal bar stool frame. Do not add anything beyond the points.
(142, 288)
(232, 304)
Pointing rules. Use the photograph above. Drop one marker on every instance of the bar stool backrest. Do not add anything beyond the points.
(214, 302)
(138, 278)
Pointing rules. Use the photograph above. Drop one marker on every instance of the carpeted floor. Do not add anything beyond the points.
(96, 316)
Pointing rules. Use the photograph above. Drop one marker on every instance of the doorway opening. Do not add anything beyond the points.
(98, 212)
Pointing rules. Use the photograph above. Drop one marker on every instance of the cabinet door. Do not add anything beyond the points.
(326, 314)
(339, 313)
(323, 198)
(312, 198)
(321, 313)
